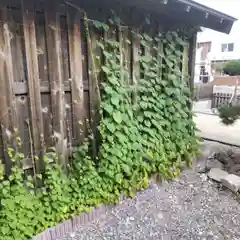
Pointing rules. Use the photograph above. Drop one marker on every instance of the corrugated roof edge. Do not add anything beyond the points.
(212, 11)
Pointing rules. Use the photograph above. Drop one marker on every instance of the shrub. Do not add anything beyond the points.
(230, 112)
(232, 68)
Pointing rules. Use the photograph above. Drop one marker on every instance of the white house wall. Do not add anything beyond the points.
(218, 39)
(230, 7)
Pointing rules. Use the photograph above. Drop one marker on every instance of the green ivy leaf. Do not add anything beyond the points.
(106, 69)
(108, 108)
(119, 178)
(121, 137)
(111, 127)
(126, 169)
(115, 100)
(117, 116)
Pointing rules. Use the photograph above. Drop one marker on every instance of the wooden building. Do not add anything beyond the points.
(46, 86)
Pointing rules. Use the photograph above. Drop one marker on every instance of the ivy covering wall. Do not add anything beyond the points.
(146, 128)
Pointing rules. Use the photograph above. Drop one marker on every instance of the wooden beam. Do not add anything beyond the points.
(8, 114)
(135, 63)
(191, 62)
(76, 69)
(33, 81)
(185, 64)
(53, 33)
(94, 92)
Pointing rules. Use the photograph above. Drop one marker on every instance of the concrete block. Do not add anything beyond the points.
(232, 182)
(217, 174)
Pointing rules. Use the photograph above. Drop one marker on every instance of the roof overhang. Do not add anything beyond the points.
(205, 16)
(187, 12)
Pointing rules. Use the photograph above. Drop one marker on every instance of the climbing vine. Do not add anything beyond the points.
(150, 133)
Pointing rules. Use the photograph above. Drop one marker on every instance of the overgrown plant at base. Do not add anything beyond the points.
(230, 112)
(146, 128)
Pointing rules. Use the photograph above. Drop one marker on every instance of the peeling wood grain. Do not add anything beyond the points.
(8, 116)
(36, 121)
(76, 68)
(135, 63)
(94, 92)
(53, 33)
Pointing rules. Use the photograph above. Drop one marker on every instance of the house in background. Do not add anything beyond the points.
(212, 51)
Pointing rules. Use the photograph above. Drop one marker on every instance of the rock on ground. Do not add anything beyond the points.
(217, 174)
(232, 182)
(187, 208)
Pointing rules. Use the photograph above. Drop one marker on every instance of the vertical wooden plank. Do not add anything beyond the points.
(120, 36)
(53, 33)
(76, 70)
(17, 53)
(135, 63)
(185, 71)
(94, 79)
(41, 48)
(8, 116)
(191, 62)
(127, 55)
(64, 46)
(33, 80)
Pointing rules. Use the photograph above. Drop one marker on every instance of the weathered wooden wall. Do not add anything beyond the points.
(44, 92)
(46, 75)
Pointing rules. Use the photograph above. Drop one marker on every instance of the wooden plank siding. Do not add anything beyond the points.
(135, 62)
(55, 63)
(8, 115)
(33, 83)
(50, 74)
(76, 71)
(94, 58)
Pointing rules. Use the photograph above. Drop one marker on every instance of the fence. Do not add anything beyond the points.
(222, 95)
(220, 99)
(203, 91)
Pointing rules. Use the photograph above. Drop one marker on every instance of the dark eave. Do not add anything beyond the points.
(204, 8)
(212, 17)
(187, 12)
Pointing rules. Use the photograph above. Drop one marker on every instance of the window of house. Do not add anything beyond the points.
(206, 48)
(204, 76)
(227, 47)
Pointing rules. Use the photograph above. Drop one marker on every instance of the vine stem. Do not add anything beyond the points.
(32, 153)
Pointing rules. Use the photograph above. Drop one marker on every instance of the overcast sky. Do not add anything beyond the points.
(230, 7)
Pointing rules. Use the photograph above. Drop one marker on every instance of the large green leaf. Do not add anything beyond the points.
(111, 127)
(126, 169)
(115, 100)
(121, 136)
(108, 108)
(117, 116)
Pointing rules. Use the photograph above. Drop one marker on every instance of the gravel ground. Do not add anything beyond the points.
(190, 207)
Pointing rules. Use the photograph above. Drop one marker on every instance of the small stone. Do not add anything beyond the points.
(72, 235)
(160, 216)
(203, 177)
(232, 182)
(217, 174)
(214, 163)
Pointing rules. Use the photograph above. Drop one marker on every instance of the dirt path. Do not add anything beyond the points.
(191, 207)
